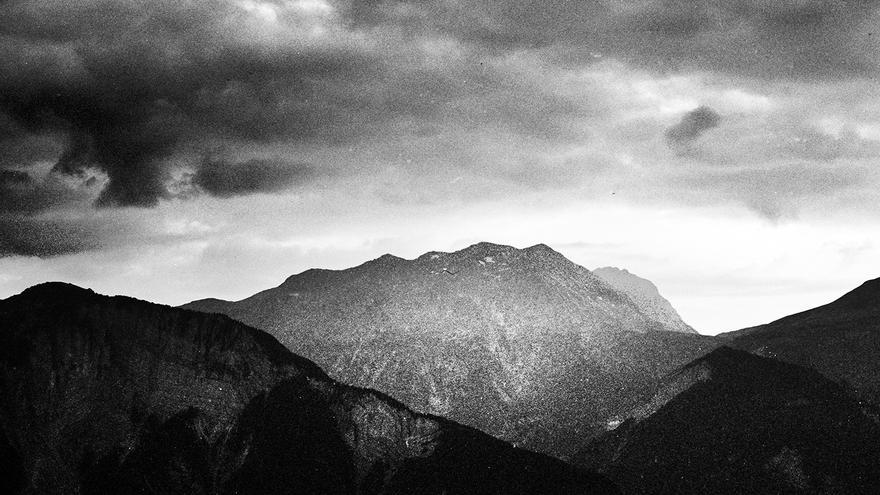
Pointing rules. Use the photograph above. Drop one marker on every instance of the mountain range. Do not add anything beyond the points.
(786, 407)
(520, 343)
(114, 395)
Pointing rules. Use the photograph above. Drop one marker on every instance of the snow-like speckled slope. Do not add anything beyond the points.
(521, 343)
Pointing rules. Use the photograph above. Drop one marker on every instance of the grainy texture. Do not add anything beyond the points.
(115, 395)
(840, 340)
(523, 344)
(644, 293)
(731, 422)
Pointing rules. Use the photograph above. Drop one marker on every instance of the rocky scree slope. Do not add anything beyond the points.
(521, 343)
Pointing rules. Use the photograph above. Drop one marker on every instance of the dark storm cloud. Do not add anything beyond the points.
(224, 179)
(692, 125)
(18, 147)
(130, 83)
(25, 200)
(21, 193)
(136, 91)
(127, 85)
(25, 236)
(763, 38)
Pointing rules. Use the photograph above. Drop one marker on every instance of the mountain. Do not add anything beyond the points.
(479, 290)
(732, 422)
(645, 294)
(520, 343)
(840, 340)
(114, 395)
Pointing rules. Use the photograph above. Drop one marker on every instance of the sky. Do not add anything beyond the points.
(175, 150)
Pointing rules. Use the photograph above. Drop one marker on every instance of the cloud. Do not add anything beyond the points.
(433, 101)
(774, 39)
(24, 236)
(26, 194)
(812, 144)
(164, 79)
(225, 179)
(163, 76)
(692, 125)
(777, 191)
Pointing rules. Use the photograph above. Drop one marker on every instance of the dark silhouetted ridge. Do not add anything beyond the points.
(866, 296)
(840, 339)
(51, 291)
(115, 395)
(732, 422)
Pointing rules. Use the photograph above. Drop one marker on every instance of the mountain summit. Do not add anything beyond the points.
(485, 289)
(513, 341)
(644, 293)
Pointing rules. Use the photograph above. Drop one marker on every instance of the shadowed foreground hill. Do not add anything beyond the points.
(115, 395)
(841, 340)
(521, 343)
(732, 422)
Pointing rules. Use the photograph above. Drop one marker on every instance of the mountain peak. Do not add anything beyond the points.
(388, 258)
(622, 276)
(540, 247)
(55, 290)
(645, 294)
(484, 248)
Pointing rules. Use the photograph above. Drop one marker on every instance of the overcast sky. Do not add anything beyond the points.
(174, 150)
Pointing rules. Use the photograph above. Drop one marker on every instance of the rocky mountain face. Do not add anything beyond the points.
(523, 344)
(732, 422)
(645, 294)
(841, 340)
(114, 395)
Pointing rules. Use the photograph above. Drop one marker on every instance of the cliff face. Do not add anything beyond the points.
(732, 422)
(114, 395)
(521, 343)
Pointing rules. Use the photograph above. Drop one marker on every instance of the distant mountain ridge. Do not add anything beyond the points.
(535, 285)
(646, 295)
(521, 343)
(114, 395)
